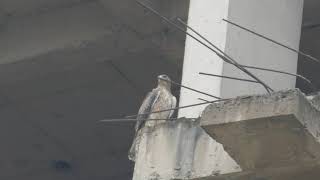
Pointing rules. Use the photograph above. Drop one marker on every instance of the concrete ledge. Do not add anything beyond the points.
(267, 131)
(311, 172)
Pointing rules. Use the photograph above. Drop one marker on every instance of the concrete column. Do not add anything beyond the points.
(277, 19)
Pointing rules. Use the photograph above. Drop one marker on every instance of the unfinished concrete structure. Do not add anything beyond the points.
(272, 137)
(65, 64)
(172, 151)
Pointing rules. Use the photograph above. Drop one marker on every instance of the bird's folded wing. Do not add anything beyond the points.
(146, 106)
(173, 105)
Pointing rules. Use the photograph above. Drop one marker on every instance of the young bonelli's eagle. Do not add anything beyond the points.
(158, 99)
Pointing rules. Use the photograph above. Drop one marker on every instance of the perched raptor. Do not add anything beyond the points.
(159, 98)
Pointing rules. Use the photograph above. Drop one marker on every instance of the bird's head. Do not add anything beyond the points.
(164, 80)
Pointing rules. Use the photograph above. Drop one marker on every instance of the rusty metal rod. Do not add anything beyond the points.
(228, 77)
(135, 120)
(273, 41)
(312, 87)
(203, 100)
(192, 89)
(176, 108)
(268, 89)
(308, 81)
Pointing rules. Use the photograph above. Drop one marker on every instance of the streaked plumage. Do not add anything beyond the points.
(159, 98)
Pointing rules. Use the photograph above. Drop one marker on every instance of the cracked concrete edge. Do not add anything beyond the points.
(286, 102)
(315, 100)
(310, 171)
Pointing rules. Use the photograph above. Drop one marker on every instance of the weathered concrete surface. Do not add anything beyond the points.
(267, 131)
(180, 149)
(311, 172)
(315, 100)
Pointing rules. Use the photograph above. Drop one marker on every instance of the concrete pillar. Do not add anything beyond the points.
(277, 19)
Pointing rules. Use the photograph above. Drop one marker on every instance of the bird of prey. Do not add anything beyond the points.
(159, 98)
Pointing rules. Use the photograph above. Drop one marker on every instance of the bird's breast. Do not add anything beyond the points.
(164, 102)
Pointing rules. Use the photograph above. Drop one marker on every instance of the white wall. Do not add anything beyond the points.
(206, 17)
(277, 19)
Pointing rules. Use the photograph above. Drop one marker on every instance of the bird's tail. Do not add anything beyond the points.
(134, 148)
(132, 151)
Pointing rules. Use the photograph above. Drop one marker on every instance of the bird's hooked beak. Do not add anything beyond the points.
(164, 80)
(164, 77)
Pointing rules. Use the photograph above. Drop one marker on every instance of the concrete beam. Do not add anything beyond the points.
(310, 172)
(266, 131)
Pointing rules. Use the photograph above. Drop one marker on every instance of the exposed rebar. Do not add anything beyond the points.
(203, 100)
(176, 108)
(273, 41)
(135, 120)
(268, 89)
(312, 87)
(228, 77)
(192, 89)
